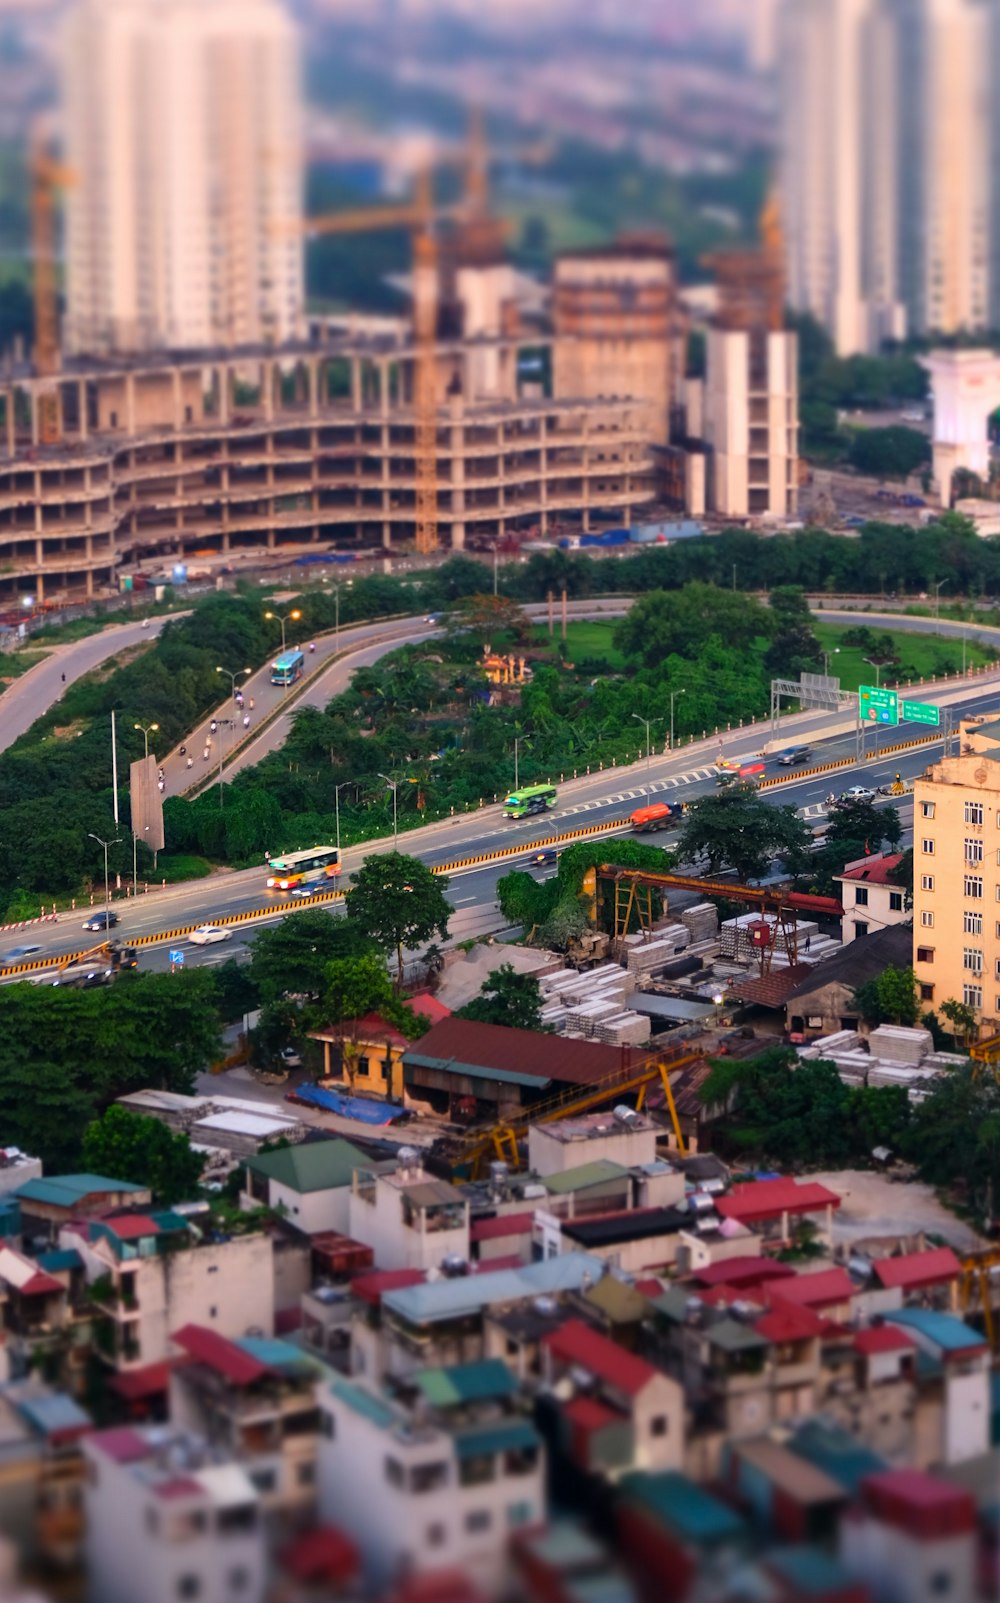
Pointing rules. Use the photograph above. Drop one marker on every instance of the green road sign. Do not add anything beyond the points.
(877, 706)
(921, 712)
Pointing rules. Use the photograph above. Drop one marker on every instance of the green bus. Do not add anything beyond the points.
(531, 799)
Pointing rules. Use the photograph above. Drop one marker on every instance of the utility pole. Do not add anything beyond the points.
(393, 784)
(648, 723)
(107, 888)
(673, 697)
(517, 742)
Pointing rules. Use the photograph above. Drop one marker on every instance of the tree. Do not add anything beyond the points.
(892, 453)
(129, 1146)
(488, 617)
(954, 1137)
(679, 623)
(396, 901)
(795, 648)
(736, 828)
(889, 998)
(962, 1019)
(507, 998)
(292, 958)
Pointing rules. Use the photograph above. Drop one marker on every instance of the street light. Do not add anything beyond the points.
(878, 670)
(336, 804)
(282, 618)
(517, 742)
(673, 697)
(232, 677)
(107, 890)
(223, 723)
(648, 722)
(937, 596)
(135, 863)
(147, 730)
(826, 655)
(394, 784)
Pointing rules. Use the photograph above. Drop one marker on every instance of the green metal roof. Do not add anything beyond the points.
(507, 1435)
(732, 1337)
(366, 1403)
(672, 1304)
(466, 1383)
(809, 1571)
(597, 1173)
(68, 1190)
(694, 1513)
(311, 1165)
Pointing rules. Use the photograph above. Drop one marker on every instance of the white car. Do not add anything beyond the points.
(208, 934)
(858, 793)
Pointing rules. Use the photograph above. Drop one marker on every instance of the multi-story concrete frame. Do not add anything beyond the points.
(956, 877)
(182, 133)
(167, 458)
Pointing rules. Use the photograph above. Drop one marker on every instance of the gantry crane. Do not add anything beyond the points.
(47, 178)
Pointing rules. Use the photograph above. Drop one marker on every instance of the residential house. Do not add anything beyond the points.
(310, 1183)
(770, 1205)
(47, 1205)
(255, 1399)
(822, 1002)
(505, 1235)
(365, 1056)
(167, 1521)
(672, 1534)
(35, 1310)
(912, 1538)
(150, 1274)
(483, 1069)
(634, 1240)
(953, 1405)
(616, 1411)
(42, 1472)
(785, 1498)
(872, 897)
(932, 1276)
(409, 1218)
(433, 1475)
(869, 1388)
(564, 1144)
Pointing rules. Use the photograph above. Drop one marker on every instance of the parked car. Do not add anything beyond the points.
(208, 934)
(289, 1058)
(101, 921)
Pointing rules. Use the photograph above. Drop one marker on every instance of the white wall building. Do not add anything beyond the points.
(165, 1523)
(435, 1478)
(752, 422)
(870, 898)
(566, 1143)
(409, 1219)
(181, 126)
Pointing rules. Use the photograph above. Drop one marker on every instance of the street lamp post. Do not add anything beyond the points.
(939, 585)
(673, 697)
(224, 723)
(135, 862)
(336, 807)
(232, 677)
(147, 730)
(282, 618)
(517, 742)
(878, 671)
(393, 784)
(107, 888)
(648, 723)
(826, 658)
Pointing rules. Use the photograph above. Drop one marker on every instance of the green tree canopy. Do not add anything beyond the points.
(679, 623)
(736, 828)
(291, 958)
(508, 998)
(129, 1146)
(397, 902)
(892, 453)
(890, 998)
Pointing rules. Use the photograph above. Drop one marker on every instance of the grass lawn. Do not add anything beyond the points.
(14, 663)
(921, 656)
(585, 639)
(566, 229)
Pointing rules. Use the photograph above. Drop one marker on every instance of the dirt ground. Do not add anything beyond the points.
(874, 1205)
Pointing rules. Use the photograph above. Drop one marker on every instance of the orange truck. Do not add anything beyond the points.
(658, 815)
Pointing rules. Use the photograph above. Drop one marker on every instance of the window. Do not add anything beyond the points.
(972, 959)
(895, 901)
(659, 1426)
(941, 1583)
(859, 929)
(973, 812)
(925, 954)
(480, 1519)
(239, 1579)
(477, 1471)
(394, 1472)
(265, 1480)
(428, 1477)
(973, 923)
(926, 993)
(927, 920)
(973, 850)
(927, 882)
(189, 1586)
(305, 1474)
(972, 995)
(436, 1535)
(243, 1517)
(927, 847)
(927, 810)
(327, 1425)
(972, 886)
(861, 896)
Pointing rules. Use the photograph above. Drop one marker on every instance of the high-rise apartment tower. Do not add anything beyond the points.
(182, 135)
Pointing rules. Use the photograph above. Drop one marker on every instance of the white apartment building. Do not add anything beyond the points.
(181, 131)
(410, 1219)
(165, 1522)
(886, 163)
(435, 1477)
(751, 422)
(871, 899)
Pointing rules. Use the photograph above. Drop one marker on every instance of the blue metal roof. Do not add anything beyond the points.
(944, 1330)
(452, 1385)
(274, 1352)
(69, 1190)
(809, 1572)
(61, 1258)
(439, 1300)
(366, 1403)
(677, 1501)
(505, 1436)
(841, 1455)
(54, 1413)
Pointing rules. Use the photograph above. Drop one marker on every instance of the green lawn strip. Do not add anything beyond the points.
(920, 656)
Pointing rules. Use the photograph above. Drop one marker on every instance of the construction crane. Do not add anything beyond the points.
(975, 1285)
(503, 1139)
(985, 1058)
(633, 897)
(47, 178)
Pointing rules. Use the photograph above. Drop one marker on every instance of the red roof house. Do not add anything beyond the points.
(761, 1201)
(579, 1345)
(918, 1270)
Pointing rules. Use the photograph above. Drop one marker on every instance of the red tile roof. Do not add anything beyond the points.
(742, 1271)
(772, 990)
(373, 1286)
(122, 1444)
(505, 1224)
(208, 1347)
(883, 1339)
(921, 1504)
(788, 1322)
(758, 1200)
(649, 1286)
(322, 1556)
(40, 1285)
(137, 1384)
(588, 1414)
(577, 1343)
(918, 1269)
(819, 1290)
(127, 1226)
(429, 1006)
(494, 1046)
(875, 871)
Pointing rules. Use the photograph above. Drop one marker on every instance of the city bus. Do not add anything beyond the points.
(319, 863)
(529, 799)
(291, 665)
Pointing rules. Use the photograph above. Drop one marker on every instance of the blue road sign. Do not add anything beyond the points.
(177, 959)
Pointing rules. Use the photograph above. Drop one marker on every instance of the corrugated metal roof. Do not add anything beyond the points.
(276, 1354)
(456, 1384)
(809, 1572)
(577, 1343)
(459, 1045)
(732, 1337)
(803, 1482)
(944, 1330)
(367, 1403)
(69, 1190)
(769, 1199)
(834, 1450)
(598, 1172)
(219, 1353)
(54, 1414)
(506, 1436)
(310, 1165)
(693, 1513)
(916, 1269)
(440, 1300)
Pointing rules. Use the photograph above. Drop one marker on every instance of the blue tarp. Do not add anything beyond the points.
(349, 1107)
